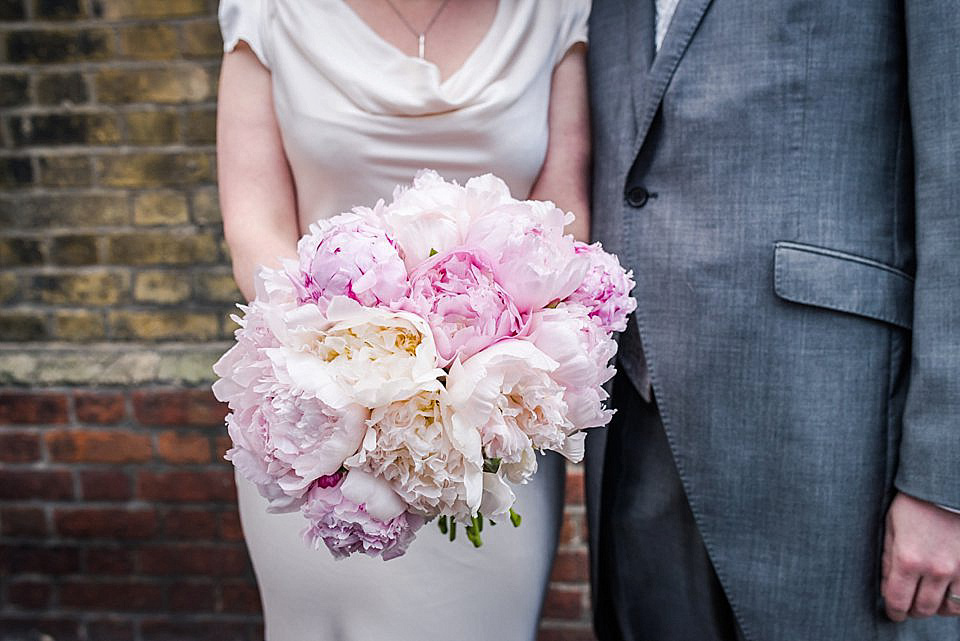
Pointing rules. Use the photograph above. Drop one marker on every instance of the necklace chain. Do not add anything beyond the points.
(421, 36)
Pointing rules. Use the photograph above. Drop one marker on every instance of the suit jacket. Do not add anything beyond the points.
(783, 178)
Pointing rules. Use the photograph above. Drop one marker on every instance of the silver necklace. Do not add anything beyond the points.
(421, 36)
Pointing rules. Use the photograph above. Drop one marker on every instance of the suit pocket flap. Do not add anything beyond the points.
(843, 282)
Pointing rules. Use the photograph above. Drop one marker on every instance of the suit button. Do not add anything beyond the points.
(637, 197)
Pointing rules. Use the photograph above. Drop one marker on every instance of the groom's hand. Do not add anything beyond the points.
(921, 560)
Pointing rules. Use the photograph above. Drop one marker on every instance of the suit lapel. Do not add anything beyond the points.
(650, 87)
(639, 26)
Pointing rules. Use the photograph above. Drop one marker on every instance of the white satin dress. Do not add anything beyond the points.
(358, 117)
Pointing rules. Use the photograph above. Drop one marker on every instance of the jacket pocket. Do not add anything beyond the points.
(843, 282)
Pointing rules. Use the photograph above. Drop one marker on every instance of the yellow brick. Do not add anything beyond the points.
(78, 325)
(218, 287)
(99, 287)
(156, 169)
(149, 42)
(160, 208)
(163, 249)
(65, 171)
(185, 82)
(163, 325)
(206, 206)
(22, 326)
(161, 287)
(114, 9)
(152, 127)
(8, 287)
(202, 39)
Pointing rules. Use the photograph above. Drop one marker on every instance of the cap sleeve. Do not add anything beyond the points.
(573, 26)
(243, 20)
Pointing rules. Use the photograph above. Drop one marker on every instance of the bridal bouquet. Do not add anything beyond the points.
(416, 358)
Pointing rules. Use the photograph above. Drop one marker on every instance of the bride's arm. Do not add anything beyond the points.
(257, 197)
(565, 176)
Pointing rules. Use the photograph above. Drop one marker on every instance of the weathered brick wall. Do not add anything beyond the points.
(117, 512)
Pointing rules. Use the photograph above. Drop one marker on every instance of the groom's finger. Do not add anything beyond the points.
(931, 593)
(899, 588)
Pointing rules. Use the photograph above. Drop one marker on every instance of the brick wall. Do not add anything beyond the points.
(117, 512)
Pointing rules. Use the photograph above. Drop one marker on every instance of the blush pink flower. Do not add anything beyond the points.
(584, 352)
(534, 261)
(466, 307)
(283, 439)
(347, 256)
(346, 526)
(605, 289)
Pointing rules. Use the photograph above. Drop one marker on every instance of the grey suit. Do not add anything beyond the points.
(784, 180)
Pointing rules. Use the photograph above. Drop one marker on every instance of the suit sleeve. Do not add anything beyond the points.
(930, 448)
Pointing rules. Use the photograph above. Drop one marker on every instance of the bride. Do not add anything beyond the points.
(326, 104)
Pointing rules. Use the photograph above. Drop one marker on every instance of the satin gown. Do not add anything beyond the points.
(358, 117)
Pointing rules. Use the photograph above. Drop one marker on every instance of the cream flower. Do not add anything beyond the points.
(507, 391)
(412, 445)
(354, 354)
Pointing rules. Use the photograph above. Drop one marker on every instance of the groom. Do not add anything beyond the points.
(783, 177)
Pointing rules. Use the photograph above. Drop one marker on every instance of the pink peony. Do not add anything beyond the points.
(347, 256)
(466, 307)
(282, 439)
(534, 261)
(605, 289)
(583, 350)
(346, 526)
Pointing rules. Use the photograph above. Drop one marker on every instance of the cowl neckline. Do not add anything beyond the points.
(380, 78)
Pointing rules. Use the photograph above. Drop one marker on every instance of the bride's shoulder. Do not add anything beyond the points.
(244, 20)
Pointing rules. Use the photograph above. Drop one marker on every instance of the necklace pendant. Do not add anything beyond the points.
(422, 42)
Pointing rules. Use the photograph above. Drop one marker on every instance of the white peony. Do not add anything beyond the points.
(354, 354)
(507, 391)
(412, 445)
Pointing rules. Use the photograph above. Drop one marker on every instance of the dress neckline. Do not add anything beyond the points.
(395, 51)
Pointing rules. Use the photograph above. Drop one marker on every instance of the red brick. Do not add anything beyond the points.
(206, 485)
(108, 630)
(193, 560)
(17, 628)
(192, 597)
(581, 632)
(126, 596)
(26, 521)
(571, 565)
(178, 407)
(22, 409)
(19, 448)
(103, 446)
(230, 529)
(25, 559)
(103, 523)
(574, 487)
(574, 527)
(31, 595)
(101, 409)
(182, 447)
(563, 603)
(164, 630)
(221, 443)
(242, 598)
(36, 484)
(110, 561)
(190, 524)
(105, 485)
